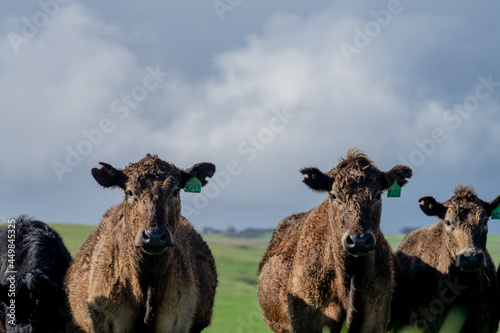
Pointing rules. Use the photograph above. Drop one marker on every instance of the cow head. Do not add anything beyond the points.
(355, 187)
(465, 221)
(152, 205)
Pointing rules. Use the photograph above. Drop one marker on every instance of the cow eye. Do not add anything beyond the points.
(378, 196)
(447, 222)
(333, 197)
(176, 193)
(129, 194)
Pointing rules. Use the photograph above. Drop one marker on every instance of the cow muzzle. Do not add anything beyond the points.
(471, 261)
(359, 244)
(153, 240)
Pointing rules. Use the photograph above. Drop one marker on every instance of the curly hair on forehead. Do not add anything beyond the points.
(465, 198)
(150, 167)
(464, 192)
(354, 158)
(354, 168)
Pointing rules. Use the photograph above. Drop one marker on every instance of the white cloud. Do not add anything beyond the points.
(58, 84)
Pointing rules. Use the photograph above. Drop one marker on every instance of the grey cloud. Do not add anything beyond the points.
(225, 83)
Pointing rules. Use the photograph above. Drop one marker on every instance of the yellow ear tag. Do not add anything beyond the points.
(193, 185)
(394, 191)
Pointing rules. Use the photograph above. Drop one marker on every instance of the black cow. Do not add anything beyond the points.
(33, 263)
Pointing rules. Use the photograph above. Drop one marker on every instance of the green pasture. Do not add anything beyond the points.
(236, 306)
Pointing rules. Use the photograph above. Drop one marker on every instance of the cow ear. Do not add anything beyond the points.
(202, 171)
(317, 180)
(399, 173)
(431, 207)
(108, 176)
(492, 205)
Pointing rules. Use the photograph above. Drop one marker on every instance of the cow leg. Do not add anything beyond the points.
(303, 317)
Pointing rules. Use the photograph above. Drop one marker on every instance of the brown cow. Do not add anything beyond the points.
(145, 268)
(447, 265)
(332, 265)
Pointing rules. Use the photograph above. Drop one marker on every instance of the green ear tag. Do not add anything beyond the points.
(394, 191)
(495, 214)
(193, 185)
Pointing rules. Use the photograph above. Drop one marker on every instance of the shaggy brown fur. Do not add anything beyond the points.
(307, 278)
(117, 285)
(447, 265)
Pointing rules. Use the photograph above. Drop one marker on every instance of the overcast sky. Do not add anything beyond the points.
(259, 88)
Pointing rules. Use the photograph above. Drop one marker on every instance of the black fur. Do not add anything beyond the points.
(41, 261)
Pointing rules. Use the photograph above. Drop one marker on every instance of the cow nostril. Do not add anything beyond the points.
(349, 241)
(163, 237)
(145, 236)
(369, 241)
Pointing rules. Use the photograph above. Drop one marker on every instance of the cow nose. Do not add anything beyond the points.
(470, 261)
(154, 239)
(359, 244)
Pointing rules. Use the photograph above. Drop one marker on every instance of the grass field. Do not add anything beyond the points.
(236, 306)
